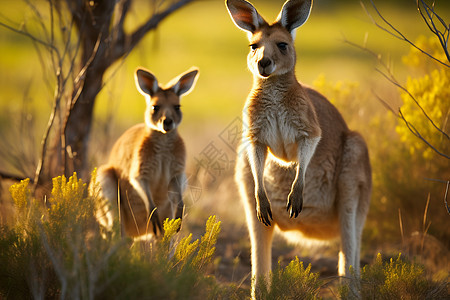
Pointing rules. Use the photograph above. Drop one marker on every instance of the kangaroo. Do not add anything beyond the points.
(296, 153)
(145, 174)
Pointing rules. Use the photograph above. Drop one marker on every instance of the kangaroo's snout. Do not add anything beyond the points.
(265, 67)
(168, 124)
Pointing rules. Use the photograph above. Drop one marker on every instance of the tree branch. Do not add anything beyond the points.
(432, 26)
(417, 134)
(391, 78)
(129, 42)
(29, 35)
(396, 33)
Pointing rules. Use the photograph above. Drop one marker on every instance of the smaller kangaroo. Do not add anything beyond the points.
(145, 174)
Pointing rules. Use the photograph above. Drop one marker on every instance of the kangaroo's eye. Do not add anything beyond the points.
(155, 108)
(282, 46)
(254, 46)
(177, 107)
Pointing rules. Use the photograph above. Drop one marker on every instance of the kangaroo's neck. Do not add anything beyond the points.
(156, 135)
(275, 83)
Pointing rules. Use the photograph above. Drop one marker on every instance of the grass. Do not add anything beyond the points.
(395, 279)
(56, 250)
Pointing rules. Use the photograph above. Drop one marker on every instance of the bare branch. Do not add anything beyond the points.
(388, 75)
(391, 78)
(44, 141)
(128, 43)
(447, 183)
(393, 81)
(82, 73)
(29, 35)
(445, 197)
(442, 36)
(417, 134)
(396, 33)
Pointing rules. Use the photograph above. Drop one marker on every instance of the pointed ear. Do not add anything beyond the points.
(244, 15)
(146, 82)
(185, 82)
(294, 14)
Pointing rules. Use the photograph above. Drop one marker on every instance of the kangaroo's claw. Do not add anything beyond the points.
(265, 215)
(156, 223)
(295, 203)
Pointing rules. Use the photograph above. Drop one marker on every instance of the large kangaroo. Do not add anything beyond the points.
(145, 173)
(297, 153)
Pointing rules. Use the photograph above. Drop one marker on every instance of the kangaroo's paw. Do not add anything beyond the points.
(263, 210)
(295, 202)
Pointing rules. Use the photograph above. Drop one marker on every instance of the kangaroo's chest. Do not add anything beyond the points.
(278, 132)
(160, 164)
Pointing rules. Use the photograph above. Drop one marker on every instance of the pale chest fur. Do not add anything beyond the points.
(158, 161)
(276, 122)
(152, 157)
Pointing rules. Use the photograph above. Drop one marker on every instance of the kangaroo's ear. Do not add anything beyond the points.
(186, 82)
(146, 82)
(244, 15)
(294, 14)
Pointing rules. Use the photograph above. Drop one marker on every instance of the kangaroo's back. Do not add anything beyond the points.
(333, 127)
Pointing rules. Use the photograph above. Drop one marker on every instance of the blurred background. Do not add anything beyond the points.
(340, 52)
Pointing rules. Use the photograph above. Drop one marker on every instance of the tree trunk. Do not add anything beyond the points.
(69, 148)
(102, 43)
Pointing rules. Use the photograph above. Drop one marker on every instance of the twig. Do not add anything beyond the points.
(396, 33)
(395, 82)
(400, 220)
(445, 197)
(29, 35)
(391, 78)
(432, 26)
(417, 134)
(447, 182)
(44, 141)
(134, 38)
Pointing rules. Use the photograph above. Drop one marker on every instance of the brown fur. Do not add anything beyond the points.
(145, 172)
(296, 151)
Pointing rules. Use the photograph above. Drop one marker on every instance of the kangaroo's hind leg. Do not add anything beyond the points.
(355, 184)
(106, 190)
(260, 234)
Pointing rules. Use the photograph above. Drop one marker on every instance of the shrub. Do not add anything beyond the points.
(57, 251)
(291, 282)
(396, 279)
(431, 91)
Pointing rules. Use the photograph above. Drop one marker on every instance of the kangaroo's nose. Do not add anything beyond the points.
(168, 122)
(265, 62)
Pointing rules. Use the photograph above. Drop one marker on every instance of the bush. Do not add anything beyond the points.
(431, 91)
(292, 282)
(396, 279)
(57, 251)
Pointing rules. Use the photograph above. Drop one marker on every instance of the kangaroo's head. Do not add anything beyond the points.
(163, 111)
(272, 49)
